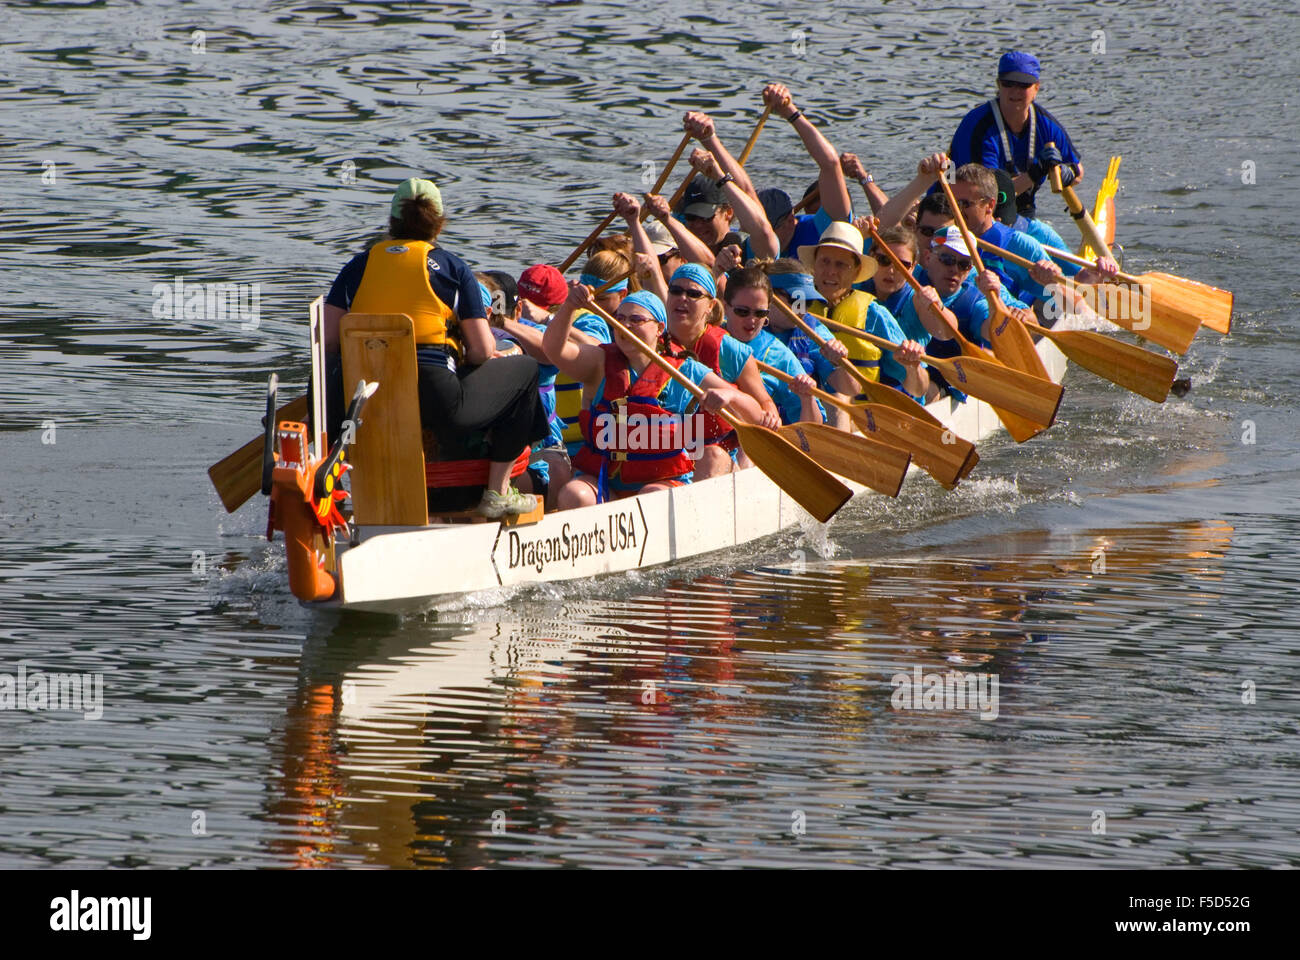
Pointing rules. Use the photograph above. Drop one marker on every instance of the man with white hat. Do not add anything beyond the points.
(837, 262)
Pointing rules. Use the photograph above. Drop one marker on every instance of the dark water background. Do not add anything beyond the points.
(1124, 575)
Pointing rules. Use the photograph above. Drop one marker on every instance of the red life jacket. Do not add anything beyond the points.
(708, 350)
(620, 398)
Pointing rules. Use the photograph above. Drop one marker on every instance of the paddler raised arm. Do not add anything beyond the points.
(656, 445)
(464, 388)
(1012, 133)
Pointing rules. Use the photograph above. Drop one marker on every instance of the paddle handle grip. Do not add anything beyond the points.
(693, 388)
(1074, 205)
(753, 137)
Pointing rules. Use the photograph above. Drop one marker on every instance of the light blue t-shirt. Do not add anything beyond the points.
(768, 349)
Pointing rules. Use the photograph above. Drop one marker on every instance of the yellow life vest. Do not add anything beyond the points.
(396, 280)
(852, 312)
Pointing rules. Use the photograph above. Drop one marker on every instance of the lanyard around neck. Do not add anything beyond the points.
(1006, 142)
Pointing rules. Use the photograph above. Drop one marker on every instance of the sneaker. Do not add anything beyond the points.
(494, 506)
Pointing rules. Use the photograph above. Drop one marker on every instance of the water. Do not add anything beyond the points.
(1127, 577)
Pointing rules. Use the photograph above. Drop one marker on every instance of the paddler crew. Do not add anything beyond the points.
(747, 299)
(475, 393)
(653, 451)
(1012, 133)
(837, 262)
(694, 323)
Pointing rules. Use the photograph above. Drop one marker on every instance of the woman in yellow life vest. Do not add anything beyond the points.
(837, 262)
(478, 396)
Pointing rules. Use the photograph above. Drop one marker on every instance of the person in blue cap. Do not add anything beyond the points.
(1012, 133)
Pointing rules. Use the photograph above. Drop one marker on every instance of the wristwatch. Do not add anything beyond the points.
(726, 179)
(866, 180)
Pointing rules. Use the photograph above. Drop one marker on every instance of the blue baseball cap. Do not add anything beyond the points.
(1019, 66)
(776, 204)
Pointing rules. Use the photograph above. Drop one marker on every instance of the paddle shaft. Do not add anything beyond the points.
(1081, 219)
(604, 224)
(878, 392)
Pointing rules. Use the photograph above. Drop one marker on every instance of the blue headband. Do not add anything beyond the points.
(487, 298)
(697, 274)
(593, 281)
(644, 298)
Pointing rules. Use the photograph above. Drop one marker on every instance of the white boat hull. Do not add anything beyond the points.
(392, 569)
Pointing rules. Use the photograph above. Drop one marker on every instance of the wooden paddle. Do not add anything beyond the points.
(1172, 332)
(939, 452)
(1024, 395)
(813, 195)
(744, 156)
(1074, 205)
(239, 475)
(1173, 299)
(1125, 364)
(874, 391)
(601, 227)
(789, 468)
(1019, 428)
(869, 462)
(1012, 343)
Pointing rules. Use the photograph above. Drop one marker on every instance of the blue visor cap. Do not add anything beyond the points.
(795, 285)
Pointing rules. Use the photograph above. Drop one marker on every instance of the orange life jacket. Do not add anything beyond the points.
(621, 398)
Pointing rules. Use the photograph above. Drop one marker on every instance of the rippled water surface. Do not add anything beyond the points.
(1128, 577)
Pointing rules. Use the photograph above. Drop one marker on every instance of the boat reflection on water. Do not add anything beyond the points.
(502, 739)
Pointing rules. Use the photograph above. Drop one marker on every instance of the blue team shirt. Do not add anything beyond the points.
(977, 141)
(807, 352)
(774, 353)
(808, 230)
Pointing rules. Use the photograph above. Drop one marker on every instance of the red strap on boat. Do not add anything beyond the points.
(468, 473)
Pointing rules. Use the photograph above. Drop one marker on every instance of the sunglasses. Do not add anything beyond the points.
(634, 319)
(745, 312)
(676, 291)
(1015, 84)
(667, 255)
(967, 204)
(886, 261)
(929, 232)
(948, 260)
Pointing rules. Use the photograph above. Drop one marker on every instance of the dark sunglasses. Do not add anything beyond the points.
(1016, 84)
(886, 261)
(948, 260)
(744, 312)
(676, 291)
(928, 232)
(666, 256)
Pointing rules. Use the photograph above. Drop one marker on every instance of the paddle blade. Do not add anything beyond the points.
(939, 452)
(239, 476)
(868, 462)
(1146, 310)
(1019, 428)
(884, 394)
(1129, 366)
(1030, 397)
(1013, 346)
(1211, 305)
(793, 471)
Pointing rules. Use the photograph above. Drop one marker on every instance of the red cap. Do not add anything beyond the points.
(543, 285)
